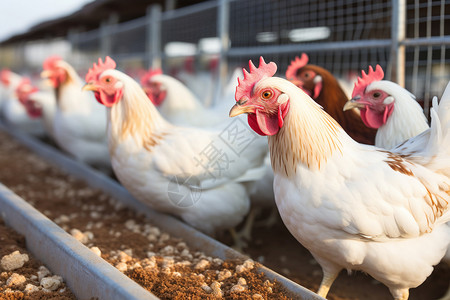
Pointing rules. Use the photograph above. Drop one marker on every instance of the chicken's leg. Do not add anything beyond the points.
(246, 231)
(271, 220)
(400, 294)
(239, 243)
(327, 280)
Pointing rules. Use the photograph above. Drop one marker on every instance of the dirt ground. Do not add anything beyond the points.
(282, 253)
(274, 246)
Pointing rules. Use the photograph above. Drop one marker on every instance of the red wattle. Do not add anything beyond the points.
(157, 99)
(253, 123)
(375, 119)
(267, 124)
(97, 96)
(33, 110)
(263, 124)
(109, 100)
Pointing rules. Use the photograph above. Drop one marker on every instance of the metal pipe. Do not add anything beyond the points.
(153, 37)
(86, 274)
(427, 41)
(295, 48)
(223, 32)
(106, 29)
(396, 67)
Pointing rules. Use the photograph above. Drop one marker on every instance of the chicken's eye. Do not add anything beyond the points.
(266, 94)
(307, 74)
(107, 79)
(376, 94)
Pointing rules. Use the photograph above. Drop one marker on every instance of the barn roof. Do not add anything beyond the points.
(89, 17)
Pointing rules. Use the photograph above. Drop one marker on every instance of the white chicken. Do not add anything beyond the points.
(195, 174)
(396, 109)
(178, 104)
(14, 112)
(42, 104)
(353, 206)
(79, 123)
(388, 107)
(9, 82)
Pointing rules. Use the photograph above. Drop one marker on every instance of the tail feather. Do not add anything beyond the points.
(435, 134)
(444, 109)
(432, 147)
(440, 124)
(438, 146)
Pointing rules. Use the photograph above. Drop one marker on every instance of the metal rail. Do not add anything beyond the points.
(169, 224)
(363, 44)
(86, 274)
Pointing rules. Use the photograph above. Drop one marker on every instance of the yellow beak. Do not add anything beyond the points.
(352, 103)
(46, 74)
(237, 109)
(89, 87)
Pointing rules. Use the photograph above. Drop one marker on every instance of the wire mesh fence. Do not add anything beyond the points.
(410, 39)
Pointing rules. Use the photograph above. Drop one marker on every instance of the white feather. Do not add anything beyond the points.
(79, 124)
(407, 119)
(364, 208)
(182, 155)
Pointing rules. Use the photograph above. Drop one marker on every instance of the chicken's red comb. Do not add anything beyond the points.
(99, 68)
(245, 86)
(50, 62)
(5, 76)
(295, 65)
(367, 79)
(149, 74)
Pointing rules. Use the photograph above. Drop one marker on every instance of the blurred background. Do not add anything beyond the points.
(410, 39)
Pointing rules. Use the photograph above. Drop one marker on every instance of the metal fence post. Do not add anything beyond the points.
(106, 29)
(223, 32)
(396, 69)
(153, 38)
(73, 39)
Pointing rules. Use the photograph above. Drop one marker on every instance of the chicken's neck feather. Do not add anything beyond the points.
(407, 119)
(69, 95)
(179, 98)
(309, 136)
(333, 98)
(134, 115)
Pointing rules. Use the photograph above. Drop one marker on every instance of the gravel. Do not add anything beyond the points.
(24, 277)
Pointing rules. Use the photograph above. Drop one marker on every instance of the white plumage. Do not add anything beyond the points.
(399, 115)
(355, 206)
(191, 173)
(14, 112)
(79, 122)
(46, 101)
(365, 215)
(181, 106)
(407, 119)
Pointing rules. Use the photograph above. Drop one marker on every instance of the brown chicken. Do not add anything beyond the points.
(324, 88)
